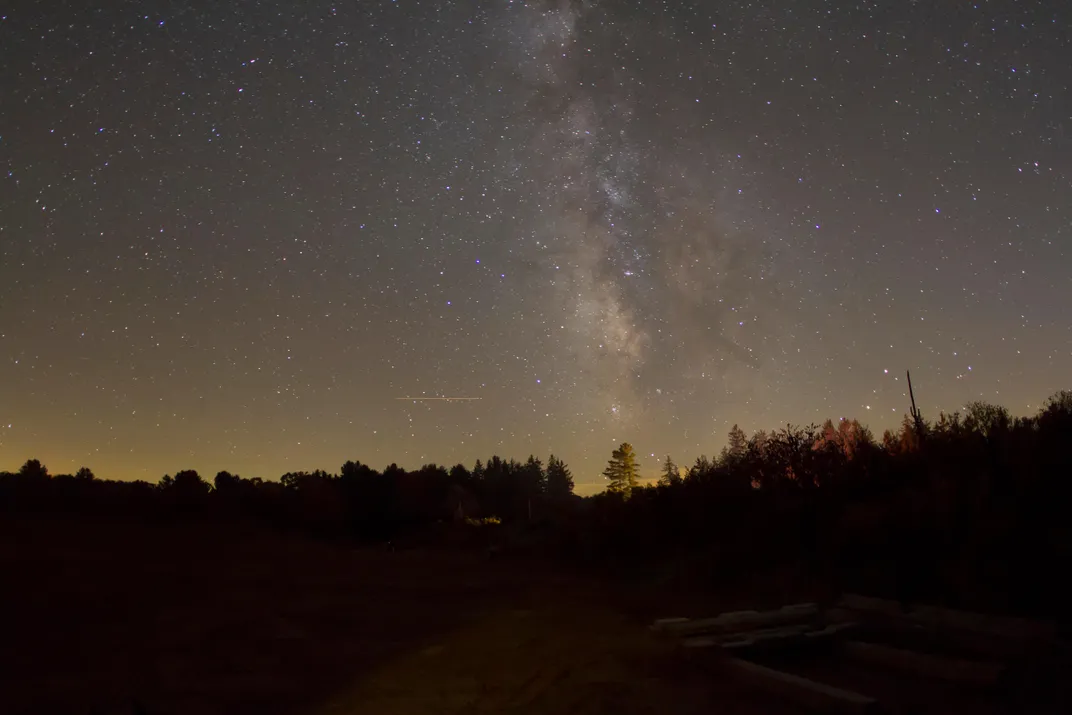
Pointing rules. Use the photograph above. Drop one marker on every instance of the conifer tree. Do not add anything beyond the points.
(559, 479)
(622, 470)
(671, 475)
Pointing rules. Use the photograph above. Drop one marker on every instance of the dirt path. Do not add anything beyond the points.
(210, 621)
(556, 657)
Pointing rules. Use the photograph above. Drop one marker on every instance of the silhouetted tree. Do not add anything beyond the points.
(293, 480)
(84, 473)
(909, 439)
(533, 476)
(498, 485)
(948, 426)
(986, 419)
(671, 475)
(355, 476)
(189, 486)
(33, 469)
(930, 519)
(559, 479)
(701, 468)
(1056, 412)
(459, 474)
(848, 437)
(226, 482)
(791, 457)
(736, 447)
(622, 470)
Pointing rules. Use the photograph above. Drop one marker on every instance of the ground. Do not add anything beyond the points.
(186, 619)
(211, 620)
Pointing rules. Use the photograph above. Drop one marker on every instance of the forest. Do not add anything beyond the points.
(968, 509)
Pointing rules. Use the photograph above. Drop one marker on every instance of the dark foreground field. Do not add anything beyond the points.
(191, 618)
(196, 619)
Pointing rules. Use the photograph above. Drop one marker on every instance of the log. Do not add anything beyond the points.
(741, 639)
(803, 691)
(998, 626)
(955, 670)
(832, 629)
(736, 621)
(786, 635)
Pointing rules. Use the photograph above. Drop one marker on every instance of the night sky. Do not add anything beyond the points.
(233, 234)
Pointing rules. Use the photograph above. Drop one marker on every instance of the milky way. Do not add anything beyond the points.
(232, 235)
(634, 258)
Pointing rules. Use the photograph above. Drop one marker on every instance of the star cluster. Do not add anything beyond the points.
(232, 235)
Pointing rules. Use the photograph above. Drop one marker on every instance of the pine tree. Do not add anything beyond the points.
(701, 467)
(559, 479)
(459, 474)
(671, 474)
(534, 477)
(622, 470)
(737, 443)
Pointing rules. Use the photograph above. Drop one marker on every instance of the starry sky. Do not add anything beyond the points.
(232, 235)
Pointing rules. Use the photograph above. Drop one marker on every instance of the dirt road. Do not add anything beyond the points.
(207, 620)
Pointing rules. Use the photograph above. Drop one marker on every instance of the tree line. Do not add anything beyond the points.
(969, 509)
(358, 501)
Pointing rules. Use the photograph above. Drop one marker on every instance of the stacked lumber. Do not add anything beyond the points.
(783, 636)
(993, 636)
(737, 621)
(961, 649)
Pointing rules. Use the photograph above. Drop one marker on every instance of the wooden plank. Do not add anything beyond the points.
(733, 640)
(802, 691)
(767, 636)
(939, 667)
(736, 621)
(832, 629)
(1000, 626)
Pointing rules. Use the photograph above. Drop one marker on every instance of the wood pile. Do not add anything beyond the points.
(910, 647)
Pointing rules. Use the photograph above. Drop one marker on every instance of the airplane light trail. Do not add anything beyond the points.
(444, 399)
